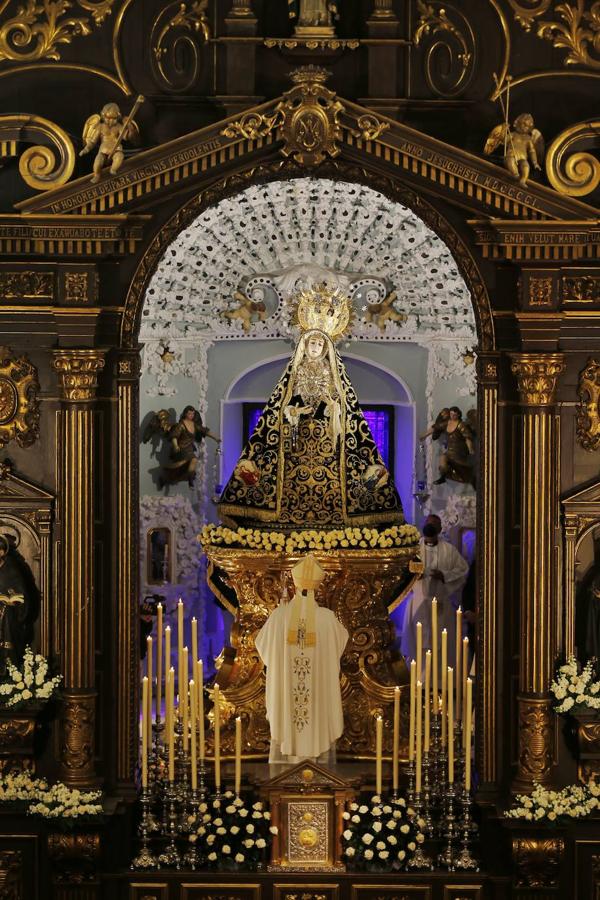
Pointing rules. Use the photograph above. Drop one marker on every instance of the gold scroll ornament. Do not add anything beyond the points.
(19, 409)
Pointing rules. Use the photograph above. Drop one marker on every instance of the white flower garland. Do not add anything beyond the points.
(574, 687)
(334, 539)
(56, 801)
(380, 835)
(572, 802)
(232, 835)
(28, 684)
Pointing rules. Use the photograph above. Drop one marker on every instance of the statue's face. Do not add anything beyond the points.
(315, 346)
(524, 124)
(453, 415)
(190, 415)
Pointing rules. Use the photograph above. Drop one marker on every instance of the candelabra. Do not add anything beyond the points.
(464, 860)
(446, 857)
(427, 761)
(171, 856)
(419, 860)
(410, 794)
(145, 858)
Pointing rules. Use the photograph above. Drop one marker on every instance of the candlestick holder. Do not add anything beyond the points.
(145, 858)
(410, 793)
(171, 856)
(446, 857)
(419, 860)
(202, 789)
(436, 775)
(464, 860)
(426, 795)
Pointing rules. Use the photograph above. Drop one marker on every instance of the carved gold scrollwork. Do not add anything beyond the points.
(536, 733)
(38, 165)
(537, 861)
(576, 27)
(310, 113)
(19, 410)
(175, 51)
(579, 173)
(450, 76)
(588, 416)
(252, 126)
(369, 128)
(38, 28)
(537, 375)
(526, 13)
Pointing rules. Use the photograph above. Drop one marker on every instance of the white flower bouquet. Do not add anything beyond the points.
(230, 835)
(380, 835)
(28, 685)
(576, 689)
(67, 805)
(334, 539)
(572, 802)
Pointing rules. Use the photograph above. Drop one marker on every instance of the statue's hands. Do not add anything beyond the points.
(438, 575)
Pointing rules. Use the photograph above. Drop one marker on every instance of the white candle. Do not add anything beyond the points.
(183, 698)
(171, 736)
(468, 702)
(238, 755)
(180, 649)
(434, 654)
(194, 639)
(149, 645)
(458, 667)
(200, 689)
(396, 747)
(144, 732)
(412, 719)
(419, 735)
(427, 700)
(379, 755)
(193, 735)
(450, 725)
(217, 717)
(419, 650)
(465, 675)
(444, 683)
(159, 647)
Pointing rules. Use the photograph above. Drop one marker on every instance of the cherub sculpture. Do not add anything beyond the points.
(456, 462)
(523, 146)
(249, 309)
(185, 438)
(380, 312)
(109, 128)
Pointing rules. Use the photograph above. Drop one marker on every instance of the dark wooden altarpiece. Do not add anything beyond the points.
(410, 100)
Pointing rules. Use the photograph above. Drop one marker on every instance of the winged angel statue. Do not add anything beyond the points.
(185, 438)
(110, 130)
(523, 146)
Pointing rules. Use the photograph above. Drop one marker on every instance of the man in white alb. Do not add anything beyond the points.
(445, 572)
(301, 644)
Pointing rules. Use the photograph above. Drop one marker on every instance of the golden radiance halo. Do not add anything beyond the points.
(323, 308)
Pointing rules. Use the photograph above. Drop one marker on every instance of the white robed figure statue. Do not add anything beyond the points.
(444, 574)
(301, 645)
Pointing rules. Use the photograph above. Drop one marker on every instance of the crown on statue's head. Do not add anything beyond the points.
(323, 308)
(308, 574)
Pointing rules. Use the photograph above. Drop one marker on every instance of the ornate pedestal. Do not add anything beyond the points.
(360, 587)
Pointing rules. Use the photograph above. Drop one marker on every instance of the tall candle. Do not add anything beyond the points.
(379, 755)
(419, 650)
(149, 673)
(434, 654)
(159, 647)
(144, 732)
(458, 667)
(396, 746)
(193, 735)
(465, 675)
(194, 639)
(167, 657)
(427, 700)
(171, 696)
(200, 689)
(418, 738)
(180, 649)
(413, 711)
(167, 711)
(468, 702)
(444, 683)
(238, 755)
(183, 698)
(450, 724)
(217, 715)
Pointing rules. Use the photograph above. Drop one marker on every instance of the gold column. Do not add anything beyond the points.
(487, 564)
(126, 637)
(537, 375)
(571, 535)
(77, 375)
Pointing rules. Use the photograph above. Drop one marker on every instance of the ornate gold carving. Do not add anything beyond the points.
(310, 118)
(26, 285)
(38, 165)
(540, 291)
(577, 174)
(537, 861)
(537, 375)
(576, 27)
(77, 736)
(19, 408)
(174, 30)
(536, 741)
(308, 832)
(62, 845)
(580, 289)
(78, 373)
(253, 125)
(313, 43)
(369, 128)
(434, 20)
(37, 29)
(11, 875)
(76, 287)
(359, 585)
(588, 414)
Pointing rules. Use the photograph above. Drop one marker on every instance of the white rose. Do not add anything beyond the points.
(350, 851)
(212, 856)
(392, 839)
(380, 845)
(377, 826)
(234, 829)
(239, 857)
(404, 829)
(226, 848)
(412, 845)
(347, 834)
(250, 828)
(367, 838)
(243, 813)
(383, 854)
(363, 809)
(401, 854)
(345, 815)
(221, 830)
(261, 843)
(368, 854)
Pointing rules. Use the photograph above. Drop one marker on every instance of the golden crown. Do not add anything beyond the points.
(323, 308)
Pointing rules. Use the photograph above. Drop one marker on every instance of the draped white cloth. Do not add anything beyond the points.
(303, 695)
(454, 568)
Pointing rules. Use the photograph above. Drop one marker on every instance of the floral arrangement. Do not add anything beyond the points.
(572, 802)
(231, 835)
(334, 539)
(380, 836)
(29, 684)
(575, 688)
(56, 801)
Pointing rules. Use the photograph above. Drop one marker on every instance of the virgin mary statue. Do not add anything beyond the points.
(311, 461)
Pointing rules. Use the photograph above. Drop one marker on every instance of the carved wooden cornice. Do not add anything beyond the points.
(538, 240)
(294, 124)
(80, 235)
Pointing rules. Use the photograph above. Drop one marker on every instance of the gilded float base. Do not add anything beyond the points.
(360, 587)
